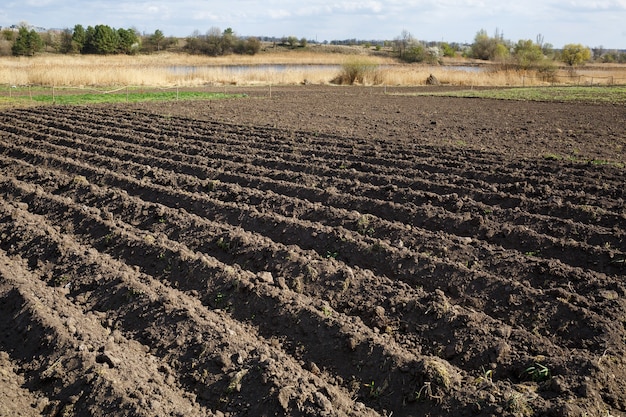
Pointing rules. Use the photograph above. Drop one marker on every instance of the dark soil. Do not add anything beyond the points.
(326, 251)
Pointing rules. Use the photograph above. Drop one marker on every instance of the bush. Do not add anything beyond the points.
(448, 50)
(527, 54)
(249, 46)
(546, 70)
(575, 54)
(217, 43)
(358, 70)
(490, 48)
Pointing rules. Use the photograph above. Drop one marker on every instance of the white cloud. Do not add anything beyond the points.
(39, 4)
(561, 21)
(279, 13)
(604, 5)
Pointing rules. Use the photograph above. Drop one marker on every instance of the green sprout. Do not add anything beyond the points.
(537, 372)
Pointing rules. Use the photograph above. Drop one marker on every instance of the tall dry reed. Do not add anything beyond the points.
(316, 68)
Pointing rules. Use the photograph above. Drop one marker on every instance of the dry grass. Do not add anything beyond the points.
(157, 70)
(314, 67)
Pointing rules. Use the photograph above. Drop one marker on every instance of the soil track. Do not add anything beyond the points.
(328, 251)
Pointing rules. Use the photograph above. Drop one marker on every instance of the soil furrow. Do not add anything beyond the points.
(480, 226)
(332, 253)
(259, 255)
(465, 158)
(170, 261)
(439, 304)
(78, 348)
(132, 306)
(374, 171)
(415, 269)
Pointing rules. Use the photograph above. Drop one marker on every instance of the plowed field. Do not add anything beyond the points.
(326, 251)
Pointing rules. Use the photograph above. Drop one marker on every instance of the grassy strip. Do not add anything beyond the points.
(611, 94)
(572, 158)
(117, 97)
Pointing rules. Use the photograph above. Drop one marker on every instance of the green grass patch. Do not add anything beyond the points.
(46, 96)
(596, 94)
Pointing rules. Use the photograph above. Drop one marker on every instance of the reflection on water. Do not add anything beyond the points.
(465, 68)
(280, 68)
(244, 69)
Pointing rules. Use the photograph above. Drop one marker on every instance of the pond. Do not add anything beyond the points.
(285, 68)
(247, 69)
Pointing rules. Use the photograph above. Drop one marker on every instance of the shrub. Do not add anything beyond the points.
(527, 54)
(490, 48)
(414, 53)
(448, 50)
(546, 70)
(249, 46)
(358, 70)
(575, 54)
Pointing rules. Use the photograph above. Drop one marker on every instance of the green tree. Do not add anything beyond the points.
(65, 46)
(79, 39)
(105, 40)
(128, 41)
(157, 38)
(194, 43)
(527, 54)
(410, 49)
(88, 46)
(227, 43)
(483, 45)
(575, 54)
(27, 43)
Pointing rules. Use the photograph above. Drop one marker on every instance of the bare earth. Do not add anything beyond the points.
(327, 251)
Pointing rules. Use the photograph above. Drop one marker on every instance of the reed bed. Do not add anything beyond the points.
(165, 70)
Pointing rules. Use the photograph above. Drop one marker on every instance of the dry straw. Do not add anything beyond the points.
(276, 68)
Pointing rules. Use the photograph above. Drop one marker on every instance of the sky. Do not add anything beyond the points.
(588, 22)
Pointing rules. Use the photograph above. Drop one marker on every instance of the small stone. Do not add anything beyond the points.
(266, 276)
(282, 284)
(323, 402)
(240, 357)
(504, 331)
(109, 359)
(315, 370)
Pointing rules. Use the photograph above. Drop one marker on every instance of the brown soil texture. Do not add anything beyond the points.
(328, 251)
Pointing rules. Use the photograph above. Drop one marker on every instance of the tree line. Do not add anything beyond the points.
(524, 54)
(105, 40)
(102, 39)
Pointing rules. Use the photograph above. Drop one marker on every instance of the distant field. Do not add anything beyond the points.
(21, 96)
(604, 94)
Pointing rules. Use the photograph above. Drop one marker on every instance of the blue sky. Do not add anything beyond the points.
(592, 23)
